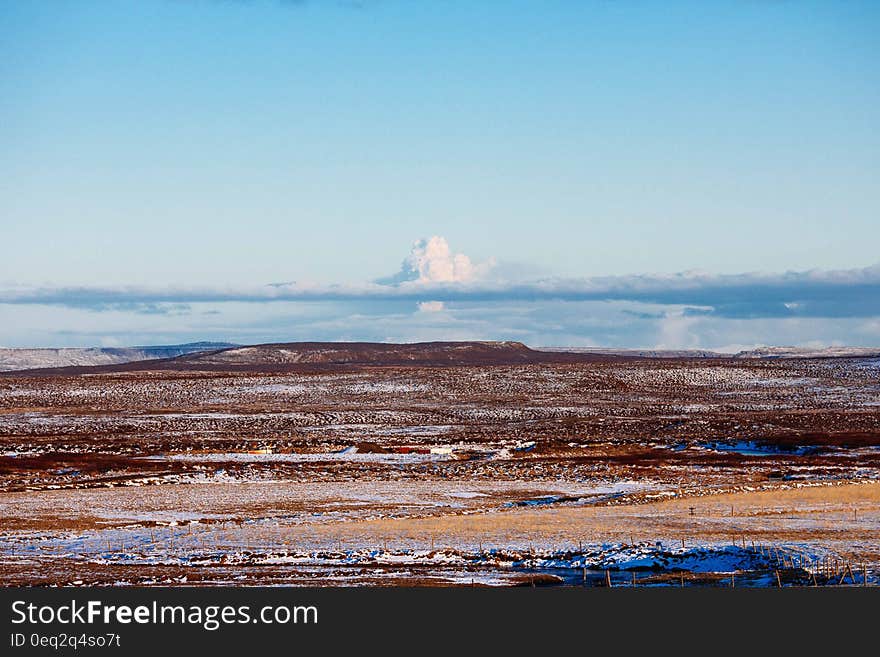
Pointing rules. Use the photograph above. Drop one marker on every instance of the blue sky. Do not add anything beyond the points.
(163, 161)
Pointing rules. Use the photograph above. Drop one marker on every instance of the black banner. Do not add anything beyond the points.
(156, 620)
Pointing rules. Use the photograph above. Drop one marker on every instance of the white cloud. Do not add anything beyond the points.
(537, 323)
(455, 296)
(431, 306)
(871, 328)
(851, 293)
(676, 331)
(432, 261)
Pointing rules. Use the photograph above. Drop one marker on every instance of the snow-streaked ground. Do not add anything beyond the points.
(451, 533)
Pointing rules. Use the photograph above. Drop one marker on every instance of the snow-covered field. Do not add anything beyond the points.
(443, 475)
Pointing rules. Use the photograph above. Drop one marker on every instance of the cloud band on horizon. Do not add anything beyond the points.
(815, 293)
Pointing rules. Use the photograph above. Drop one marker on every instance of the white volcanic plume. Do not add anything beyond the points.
(432, 261)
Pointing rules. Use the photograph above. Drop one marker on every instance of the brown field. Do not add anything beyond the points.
(265, 468)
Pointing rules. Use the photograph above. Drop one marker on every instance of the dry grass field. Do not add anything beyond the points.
(497, 473)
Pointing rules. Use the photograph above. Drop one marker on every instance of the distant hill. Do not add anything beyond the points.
(370, 353)
(803, 352)
(760, 353)
(27, 359)
(322, 356)
(302, 356)
(639, 353)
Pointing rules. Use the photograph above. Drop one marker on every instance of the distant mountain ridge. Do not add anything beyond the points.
(307, 356)
(303, 356)
(806, 352)
(759, 353)
(639, 353)
(368, 353)
(26, 359)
